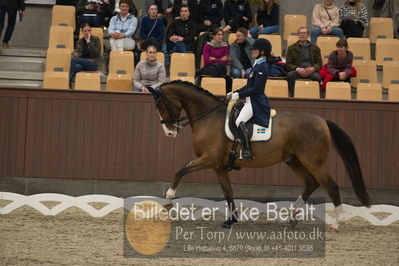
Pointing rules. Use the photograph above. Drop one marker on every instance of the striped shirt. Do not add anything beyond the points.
(359, 15)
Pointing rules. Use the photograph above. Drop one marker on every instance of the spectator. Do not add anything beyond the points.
(210, 15)
(152, 26)
(303, 60)
(237, 13)
(11, 7)
(216, 55)
(65, 2)
(240, 54)
(181, 33)
(267, 18)
(339, 66)
(132, 7)
(162, 7)
(325, 20)
(353, 18)
(192, 6)
(86, 55)
(121, 28)
(94, 12)
(149, 72)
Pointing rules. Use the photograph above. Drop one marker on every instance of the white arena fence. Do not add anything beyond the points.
(15, 201)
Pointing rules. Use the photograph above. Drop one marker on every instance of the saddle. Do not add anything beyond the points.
(256, 132)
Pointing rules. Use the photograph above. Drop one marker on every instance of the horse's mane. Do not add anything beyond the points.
(191, 85)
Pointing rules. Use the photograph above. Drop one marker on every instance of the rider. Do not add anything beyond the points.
(256, 103)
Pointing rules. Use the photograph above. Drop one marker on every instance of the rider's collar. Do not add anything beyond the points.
(259, 60)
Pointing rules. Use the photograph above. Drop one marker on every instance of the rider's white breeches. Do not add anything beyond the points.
(246, 112)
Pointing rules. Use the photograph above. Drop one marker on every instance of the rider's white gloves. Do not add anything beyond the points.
(232, 96)
(235, 97)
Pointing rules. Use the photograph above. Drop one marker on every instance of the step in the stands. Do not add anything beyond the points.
(20, 51)
(16, 75)
(20, 83)
(29, 64)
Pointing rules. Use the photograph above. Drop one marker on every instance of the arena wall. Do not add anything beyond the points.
(117, 136)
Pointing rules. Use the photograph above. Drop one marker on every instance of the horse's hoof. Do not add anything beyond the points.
(334, 228)
(168, 206)
(227, 224)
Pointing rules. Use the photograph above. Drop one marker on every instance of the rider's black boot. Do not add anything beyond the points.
(244, 136)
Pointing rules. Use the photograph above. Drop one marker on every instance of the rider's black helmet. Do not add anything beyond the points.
(262, 45)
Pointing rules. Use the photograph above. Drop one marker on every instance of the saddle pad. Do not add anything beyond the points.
(260, 133)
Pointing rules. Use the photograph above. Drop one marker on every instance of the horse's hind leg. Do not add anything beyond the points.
(307, 178)
(228, 194)
(331, 187)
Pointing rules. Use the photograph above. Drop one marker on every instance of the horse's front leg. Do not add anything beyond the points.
(195, 165)
(224, 181)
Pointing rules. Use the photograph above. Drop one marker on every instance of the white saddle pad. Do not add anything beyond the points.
(260, 133)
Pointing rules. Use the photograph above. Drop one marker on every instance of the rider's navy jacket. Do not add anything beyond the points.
(255, 89)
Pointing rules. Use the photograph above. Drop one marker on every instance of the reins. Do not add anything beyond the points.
(177, 120)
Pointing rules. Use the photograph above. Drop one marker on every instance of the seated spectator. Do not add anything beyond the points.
(276, 66)
(210, 15)
(237, 13)
(216, 55)
(121, 28)
(303, 60)
(267, 18)
(177, 4)
(353, 18)
(149, 72)
(325, 20)
(132, 7)
(94, 12)
(162, 7)
(86, 54)
(181, 33)
(152, 26)
(339, 66)
(241, 61)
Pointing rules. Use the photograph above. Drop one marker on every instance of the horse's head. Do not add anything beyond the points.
(169, 112)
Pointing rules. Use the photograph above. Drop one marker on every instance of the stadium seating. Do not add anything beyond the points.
(380, 28)
(393, 92)
(63, 16)
(338, 90)
(58, 64)
(87, 81)
(182, 65)
(386, 50)
(366, 72)
(360, 47)
(275, 41)
(390, 72)
(238, 84)
(307, 89)
(217, 86)
(292, 23)
(327, 44)
(121, 69)
(232, 38)
(61, 37)
(276, 88)
(369, 92)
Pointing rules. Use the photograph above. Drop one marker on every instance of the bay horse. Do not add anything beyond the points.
(300, 139)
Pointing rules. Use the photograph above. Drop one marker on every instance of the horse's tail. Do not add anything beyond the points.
(347, 151)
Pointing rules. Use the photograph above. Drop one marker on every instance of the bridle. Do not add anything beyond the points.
(176, 120)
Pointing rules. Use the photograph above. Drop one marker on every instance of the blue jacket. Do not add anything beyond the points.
(255, 90)
(146, 26)
(127, 27)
